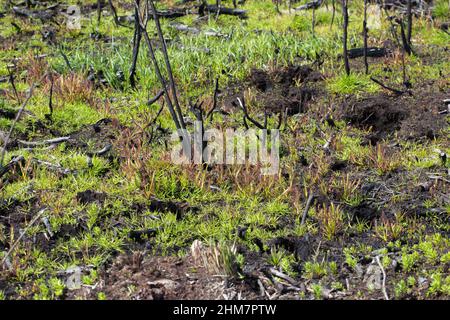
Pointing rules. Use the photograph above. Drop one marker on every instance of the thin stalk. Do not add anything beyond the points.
(143, 26)
(410, 22)
(345, 35)
(167, 62)
(136, 44)
(365, 30)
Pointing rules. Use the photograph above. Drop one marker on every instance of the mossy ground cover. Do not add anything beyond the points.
(128, 217)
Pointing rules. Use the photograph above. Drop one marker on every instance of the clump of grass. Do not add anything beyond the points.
(348, 190)
(383, 161)
(218, 259)
(314, 270)
(409, 260)
(331, 219)
(441, 9)
(387, 229)
(73, 87)
(439, 285)
(351, 84)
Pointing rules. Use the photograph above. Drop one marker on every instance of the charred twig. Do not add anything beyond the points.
(315, 4)
(280, 119)
(333, 14)
(244, 120)
(156, 117)
(167, 62)
(155, 98)
(136, 44)
(410, 22)
(66, 60)
(373, 52)
(308, 204)
(163, 82)
(50, 99)
(406, 45)
(265, 118)
(244, 109)
(344, 38)
(399, 92)
(13, 85)
(143, 26)
(99, 11)
(365, 30)
(197, 110)
(225, 11)
(114, 13)
(313, 21)
(214, 106)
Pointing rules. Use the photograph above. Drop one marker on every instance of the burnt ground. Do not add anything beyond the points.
(165, 278)
(412, 116)
(386, 118)
(286, 90)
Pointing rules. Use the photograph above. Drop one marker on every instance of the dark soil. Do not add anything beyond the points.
(103, 132)
(412, 116)
(287, 89)
(165, 278)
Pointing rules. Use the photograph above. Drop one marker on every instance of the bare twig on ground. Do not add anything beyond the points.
(283, 276)
(155, 98)
(44, 142)
(399, 92)
(54, 167)
(308, 204)
(377, 258)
